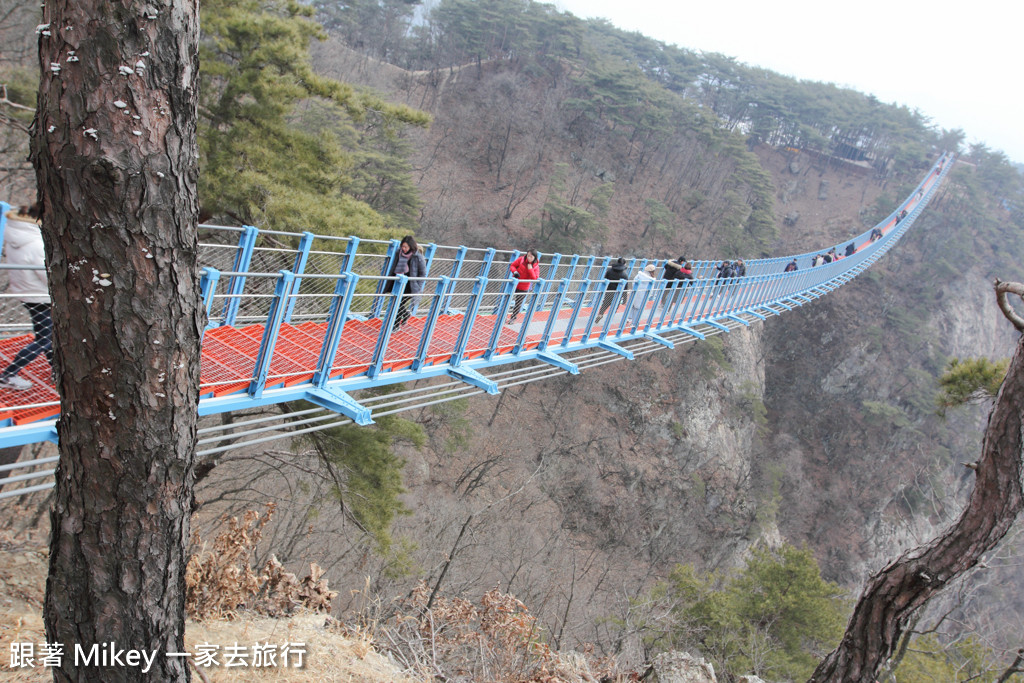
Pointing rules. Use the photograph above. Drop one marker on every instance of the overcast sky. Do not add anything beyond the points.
(959, 65)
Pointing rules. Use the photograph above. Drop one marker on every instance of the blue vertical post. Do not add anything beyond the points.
(349, 259)
(340, 303)
(387, 323)
(468, 320)
(207, 288)
(428, 258)
(521, 339)
(500, 311)
(552, 269)
(691, 311)
(246, 245)
(576, 308)
(549, 328)
(378, 301)
(460, 256)
(571, 268)
(270, 333)
(485, 267)
(657, 292)
(431, 323)
(305, 244)
(4, 208)
(681, 289)
(570, 272)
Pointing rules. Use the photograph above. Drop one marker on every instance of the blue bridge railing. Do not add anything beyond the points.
(307, 317)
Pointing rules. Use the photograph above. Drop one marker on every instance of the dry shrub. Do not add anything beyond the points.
(220, 582)
(494, 641)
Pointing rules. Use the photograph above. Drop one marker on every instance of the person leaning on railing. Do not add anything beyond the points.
(617, 279)
(23, 246)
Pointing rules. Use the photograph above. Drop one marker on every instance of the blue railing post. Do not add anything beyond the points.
(246, 245)
(386, 328)
(485, 267)
(207, 288)
(700, 300)
(344, 289)
(552, 269)
(500, 311)
(460, 256)
(4, 208)
(657, 293)
(682, 288)
(430, 324)
(613, 307)
(468, 320)
(549, 328)
(271, 330)
(305, 244)
(530, 310)
(349, 259)
(584, 289)
(389, 261)
(428, 257)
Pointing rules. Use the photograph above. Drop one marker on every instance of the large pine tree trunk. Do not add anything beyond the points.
(114, 148)
(894, 594)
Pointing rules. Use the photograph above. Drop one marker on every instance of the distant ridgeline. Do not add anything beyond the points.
(315, 320)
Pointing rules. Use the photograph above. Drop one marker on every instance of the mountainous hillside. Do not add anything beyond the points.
(584, 495)
(819, 427)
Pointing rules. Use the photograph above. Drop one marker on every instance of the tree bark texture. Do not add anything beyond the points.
(894, 594)
(114, 146)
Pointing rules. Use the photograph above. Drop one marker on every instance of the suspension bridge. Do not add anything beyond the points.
(304, 319)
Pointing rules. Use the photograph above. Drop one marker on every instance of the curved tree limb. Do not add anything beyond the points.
(893, 595)
(1004, 288)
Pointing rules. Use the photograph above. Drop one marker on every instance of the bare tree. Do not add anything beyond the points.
(894, 595)
(114, 147)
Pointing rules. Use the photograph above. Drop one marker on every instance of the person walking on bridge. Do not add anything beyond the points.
(643, 282)
(526, 269)
(409, 262)
(24, 247)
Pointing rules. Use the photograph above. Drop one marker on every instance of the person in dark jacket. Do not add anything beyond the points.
(617, 279)
(526, 269)
(409, 262)
(724, 270)
(850, 249)
(739, 268)
(790, 267)
(677, 273)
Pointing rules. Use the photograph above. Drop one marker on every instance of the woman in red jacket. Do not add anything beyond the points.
(525, 268)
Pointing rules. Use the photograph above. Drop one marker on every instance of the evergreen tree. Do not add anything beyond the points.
(266, 161)
(772, 618)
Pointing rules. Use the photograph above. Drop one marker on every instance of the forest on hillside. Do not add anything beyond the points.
(639, 509)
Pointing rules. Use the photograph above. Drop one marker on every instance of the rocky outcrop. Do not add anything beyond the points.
(682, 667)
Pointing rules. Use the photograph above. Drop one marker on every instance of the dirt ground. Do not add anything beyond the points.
(327, 655)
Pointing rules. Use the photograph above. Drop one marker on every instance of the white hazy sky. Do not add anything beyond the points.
(958, 64)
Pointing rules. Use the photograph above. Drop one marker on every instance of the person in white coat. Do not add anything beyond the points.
(643, 281)
(23, 246)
